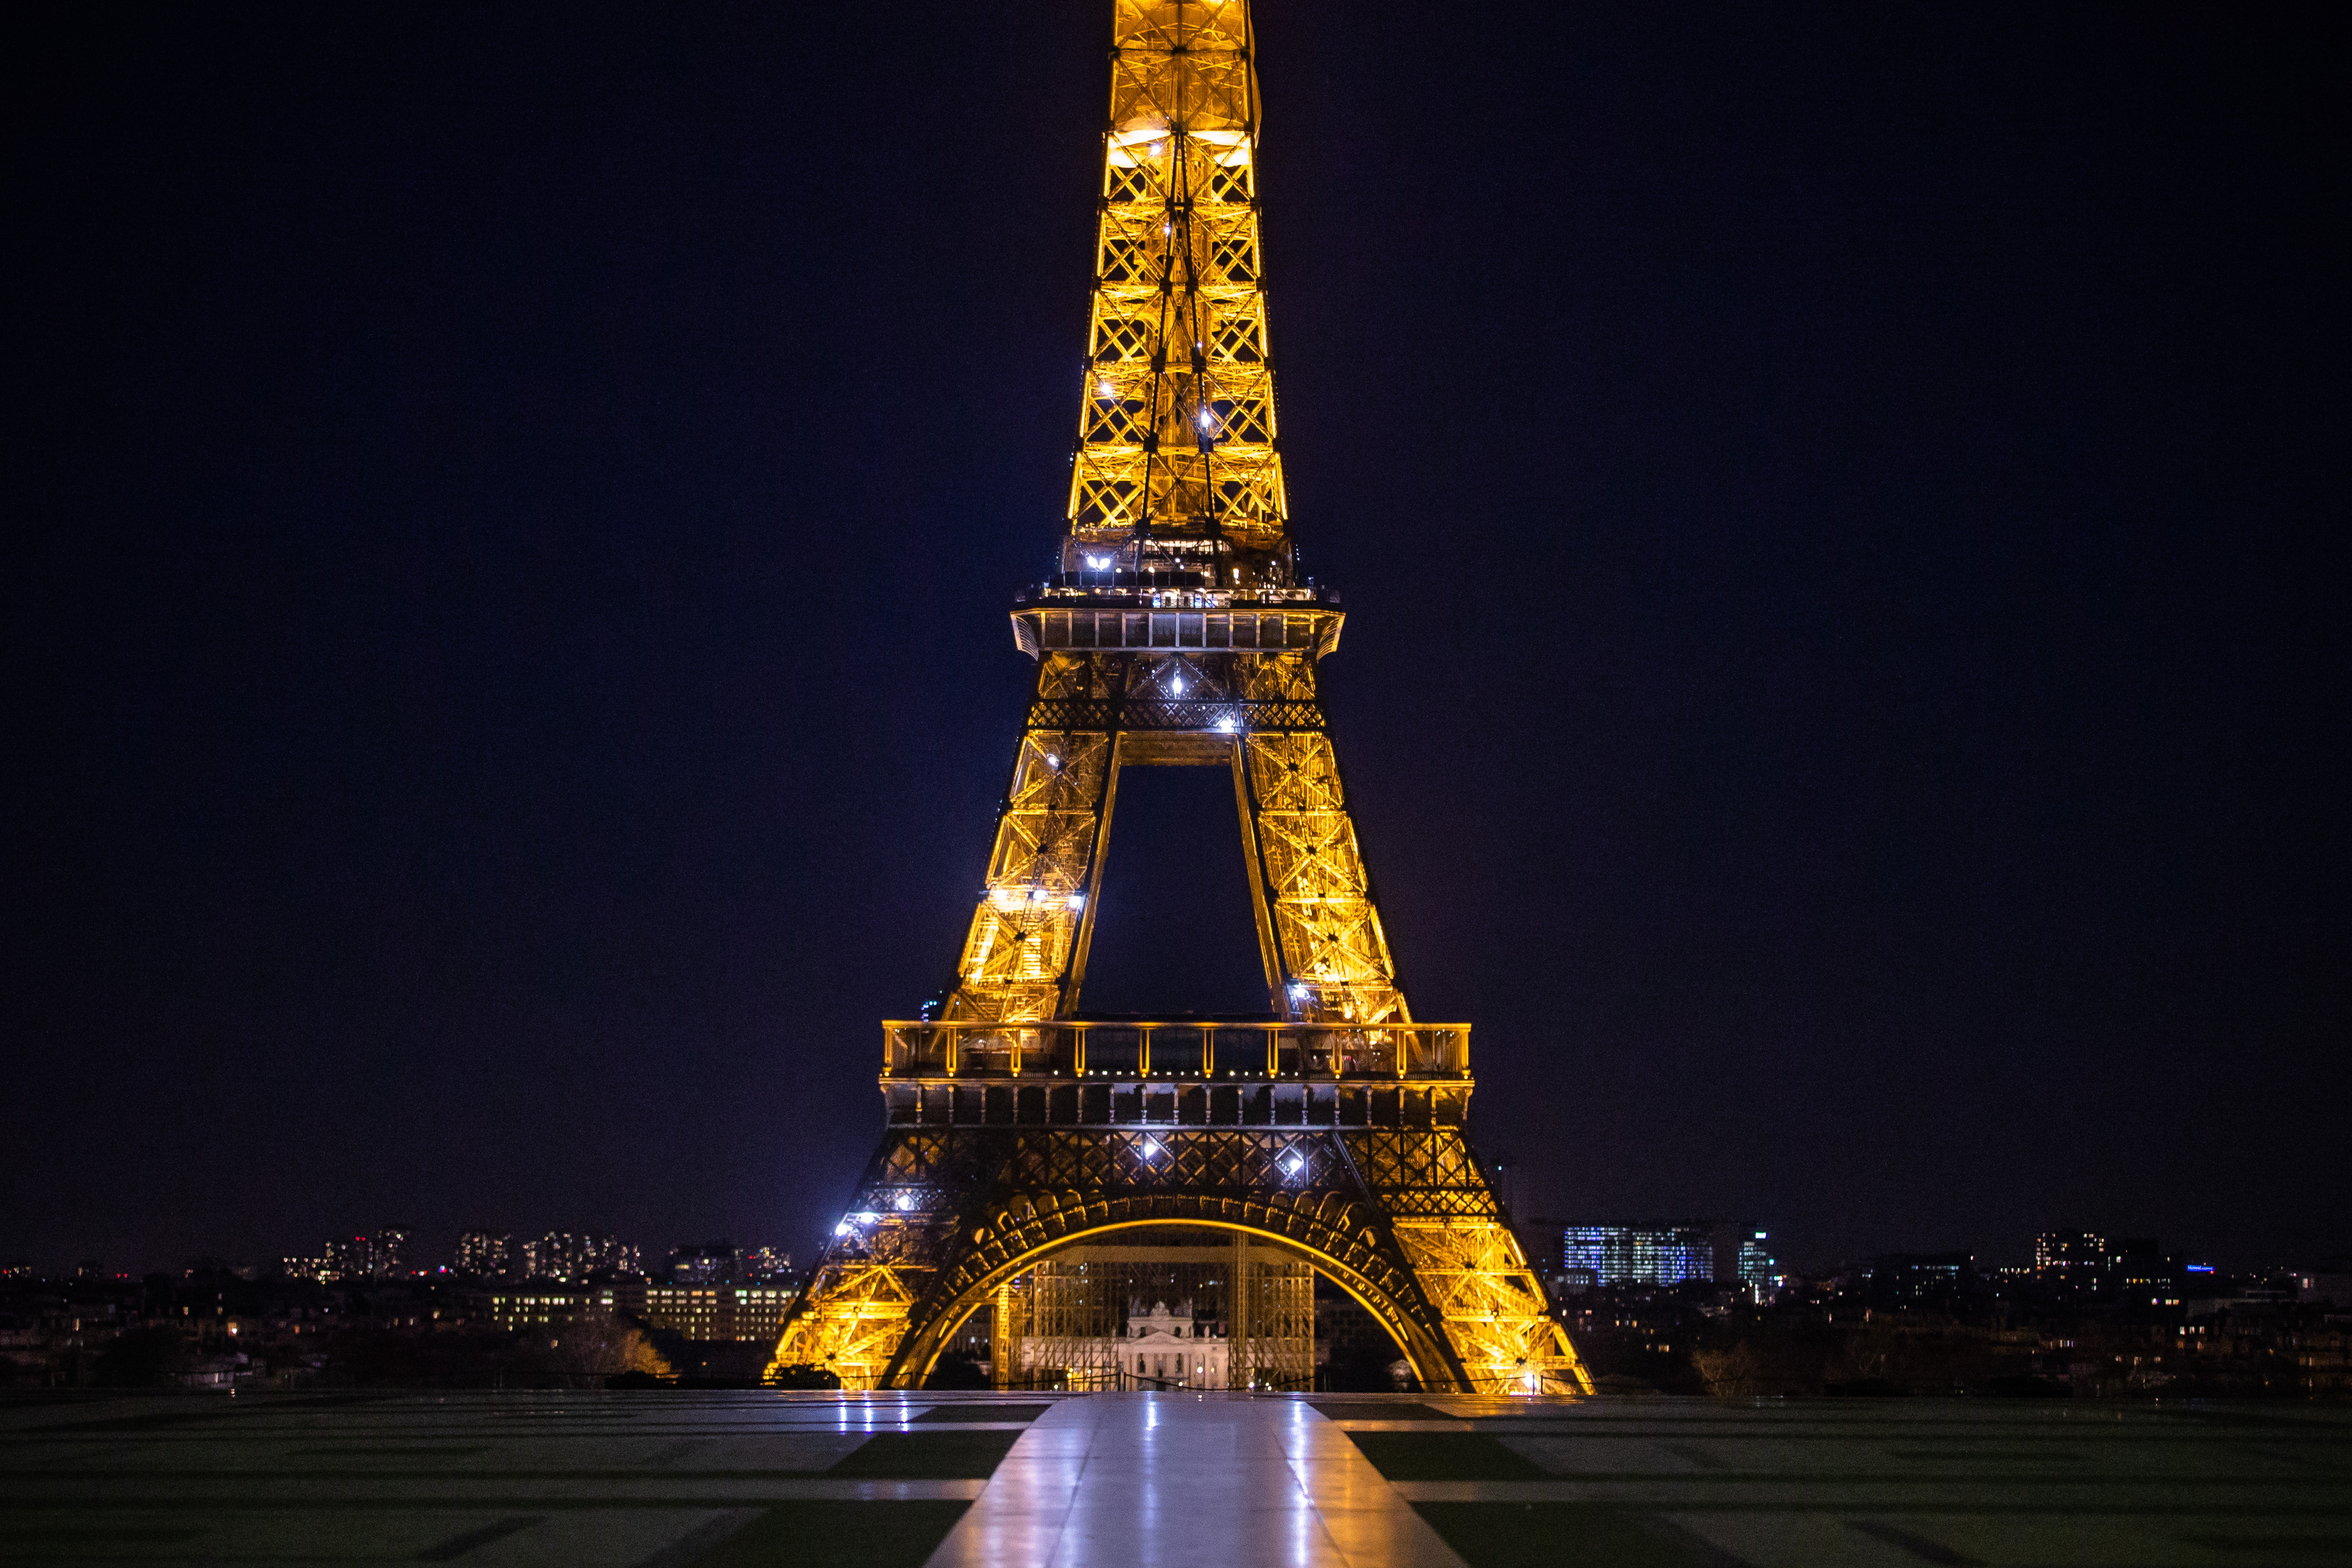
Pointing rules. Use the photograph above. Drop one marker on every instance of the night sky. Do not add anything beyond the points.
(512, 517)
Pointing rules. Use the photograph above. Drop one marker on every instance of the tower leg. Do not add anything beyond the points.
(1238, 1357)
(1000, 1339)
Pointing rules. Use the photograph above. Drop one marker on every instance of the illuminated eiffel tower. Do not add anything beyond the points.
(1177, 632)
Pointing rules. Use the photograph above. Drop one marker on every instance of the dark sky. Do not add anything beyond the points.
(514, 515)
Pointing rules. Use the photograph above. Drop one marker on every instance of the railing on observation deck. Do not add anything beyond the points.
(1075, 1050)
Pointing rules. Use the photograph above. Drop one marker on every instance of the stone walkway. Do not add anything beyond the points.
(1170, 1480)
(683, 1479)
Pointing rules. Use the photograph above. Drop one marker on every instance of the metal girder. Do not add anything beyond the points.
(1177, 434)
(1325, 953)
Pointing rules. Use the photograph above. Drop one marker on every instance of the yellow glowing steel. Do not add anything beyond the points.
(1177, 632)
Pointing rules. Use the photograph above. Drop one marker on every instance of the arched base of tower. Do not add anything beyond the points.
(1401, 1219)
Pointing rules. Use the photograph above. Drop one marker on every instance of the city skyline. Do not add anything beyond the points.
(1728, 1249)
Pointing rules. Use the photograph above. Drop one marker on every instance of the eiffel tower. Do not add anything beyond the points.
(1177, 632)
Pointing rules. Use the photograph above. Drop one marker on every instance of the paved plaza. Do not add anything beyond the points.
(668, 1478)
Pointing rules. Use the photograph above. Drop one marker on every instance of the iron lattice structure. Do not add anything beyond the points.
(1177, 631)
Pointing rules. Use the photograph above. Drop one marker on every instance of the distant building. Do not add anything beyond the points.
(1919, 1276)
(722, 1263)
(567, 1255)
(389, 1257)
(1660, 1254)
(719, 1312)
(1572, 1281)
(1756, 1268)
(766, 1263)
(2073, 1259)
(552, 1306)
(2142, 1274)
(706, 1263)
(383, 1255)
(1166, 1347)
(485, 1254)
(1161, 1347)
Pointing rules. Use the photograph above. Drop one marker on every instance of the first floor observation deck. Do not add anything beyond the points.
(1092, 1073)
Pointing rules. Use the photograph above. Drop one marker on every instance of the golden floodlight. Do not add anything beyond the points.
(1177, 632)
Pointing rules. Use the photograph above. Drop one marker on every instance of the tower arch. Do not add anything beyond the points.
(1425, 1349)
